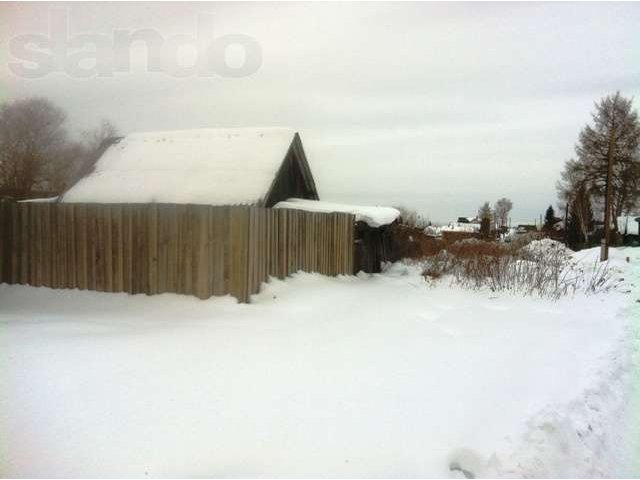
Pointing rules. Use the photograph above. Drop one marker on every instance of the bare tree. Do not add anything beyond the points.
(94, 143)
(501, 209)
(63, 166)
(95, 137)
(31, 132)
(36, 152)
(571, 178)
(75, 159)
(581, 209)
(411, 217)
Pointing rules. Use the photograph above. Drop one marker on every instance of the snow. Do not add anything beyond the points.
(628, 225)
(372, 216)
(547, 246)
(461, 227)
(40, 200)
(205, 166)
(375, 375)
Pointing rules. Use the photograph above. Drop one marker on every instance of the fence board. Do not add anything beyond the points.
(34, 246)
(15, 245)
(163, 247)
(141, 259)
(93, 257)
(106, 234)
(80, 214)
(172, 249)
(45, 245)
(239, 243)
(117, 258)
(184, 253)
(217, 234)
(151, 212)
(128, 214)
(5, 241)
(251, 251)
(200, 219)
(283, 243)
(55, 255)
(23, 242)
(59, 248)
(68, 227)
(226, 236)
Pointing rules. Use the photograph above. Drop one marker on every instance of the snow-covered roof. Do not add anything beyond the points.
(461, 227)
(372, 216)
(205, 166)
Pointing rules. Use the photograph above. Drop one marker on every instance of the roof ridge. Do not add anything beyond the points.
(215, 130)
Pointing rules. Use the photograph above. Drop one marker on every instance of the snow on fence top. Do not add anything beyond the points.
(372, 216)
(205, 166)
(39, 200)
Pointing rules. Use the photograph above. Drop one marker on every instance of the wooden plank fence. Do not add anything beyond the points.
(156, 248)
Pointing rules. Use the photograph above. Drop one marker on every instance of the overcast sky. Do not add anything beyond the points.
(437, 106)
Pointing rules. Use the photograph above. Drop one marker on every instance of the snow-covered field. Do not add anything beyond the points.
(377, 376)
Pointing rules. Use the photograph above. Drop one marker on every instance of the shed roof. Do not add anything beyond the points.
(205, 166)
(372, 216)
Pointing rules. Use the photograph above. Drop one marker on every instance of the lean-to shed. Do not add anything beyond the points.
(373, 231)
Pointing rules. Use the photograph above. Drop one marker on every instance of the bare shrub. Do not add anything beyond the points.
(545, 269)
(601, 278)
(411, 218)
(519, 241)
(476, 248)
(438, 265)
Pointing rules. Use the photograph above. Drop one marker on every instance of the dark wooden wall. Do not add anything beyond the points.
(372, 247)
(294, 179)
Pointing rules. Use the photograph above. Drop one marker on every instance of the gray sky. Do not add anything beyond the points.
(437, 106)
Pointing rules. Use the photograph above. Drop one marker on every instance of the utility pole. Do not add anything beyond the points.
(604, 249)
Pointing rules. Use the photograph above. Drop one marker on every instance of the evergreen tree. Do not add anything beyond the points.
(485, 214)
(549, 219)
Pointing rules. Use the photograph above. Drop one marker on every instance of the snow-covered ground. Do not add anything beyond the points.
(377, 376)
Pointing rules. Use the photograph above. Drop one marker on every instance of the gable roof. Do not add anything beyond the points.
(205, 166)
